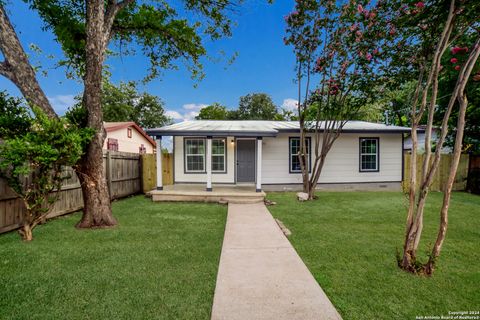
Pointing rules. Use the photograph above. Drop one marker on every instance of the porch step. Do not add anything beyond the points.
(204, 196)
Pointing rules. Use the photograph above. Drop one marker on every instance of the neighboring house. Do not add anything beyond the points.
(127, 137)
(407, 145)
(264, 153)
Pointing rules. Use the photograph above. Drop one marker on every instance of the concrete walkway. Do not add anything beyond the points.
(261, 276)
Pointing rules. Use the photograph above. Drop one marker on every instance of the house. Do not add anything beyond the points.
(407, 145)
(127, 137)
(264, 154)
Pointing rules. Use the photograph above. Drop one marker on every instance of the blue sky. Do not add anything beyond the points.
(264, 64)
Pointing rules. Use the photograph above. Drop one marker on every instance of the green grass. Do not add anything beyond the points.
(160, 262)
(348, 241)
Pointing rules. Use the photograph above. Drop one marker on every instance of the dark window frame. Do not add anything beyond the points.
(290, 155)
(224, 155)
(205, 156)
(112, 144)
(129, 133)
(185, 155)
(360, 154)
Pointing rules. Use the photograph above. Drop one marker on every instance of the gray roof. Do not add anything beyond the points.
(263, 128)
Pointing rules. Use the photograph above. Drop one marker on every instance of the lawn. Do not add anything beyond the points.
(348, 241)
(159, 263)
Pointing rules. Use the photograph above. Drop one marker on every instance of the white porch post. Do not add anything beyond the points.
(259, 164)
(159, 163)
(208, 163)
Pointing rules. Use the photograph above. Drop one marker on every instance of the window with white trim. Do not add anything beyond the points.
(194, 155)
(218, 155)
(369, 154)
(294, 149)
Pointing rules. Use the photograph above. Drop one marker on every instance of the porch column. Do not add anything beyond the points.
(208, 163)
(159, 163)
(259, 164)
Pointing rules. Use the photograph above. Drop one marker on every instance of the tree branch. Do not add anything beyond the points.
(6, 70)
(112, 10)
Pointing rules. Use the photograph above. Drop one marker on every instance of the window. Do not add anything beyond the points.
(195, 155)
(369, 154)
(112, 144)
(294, 149)
(129, 132)
(218, 155)
(142, 149)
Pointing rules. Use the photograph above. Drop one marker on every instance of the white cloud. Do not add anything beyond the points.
(61, 103)
(175, 115)
(290, 104)
(188, 112)
(194, 106)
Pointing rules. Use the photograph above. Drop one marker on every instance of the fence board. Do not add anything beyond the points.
(123, 179)
(441, 176)
(149, 171)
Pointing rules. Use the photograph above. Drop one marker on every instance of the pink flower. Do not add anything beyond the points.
(376, 51)
(353, 27)
(359, 8)
(457, 67)
(456, 50)
(420, 5)
(368, 56)
(454, 60)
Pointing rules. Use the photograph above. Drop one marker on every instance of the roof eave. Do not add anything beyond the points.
(193, 133)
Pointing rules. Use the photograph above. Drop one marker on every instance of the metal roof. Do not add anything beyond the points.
(262, 128)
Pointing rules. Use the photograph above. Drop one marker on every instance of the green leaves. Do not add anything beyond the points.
(124, 103)
(39, 146)
(166, 32)
(14, 117)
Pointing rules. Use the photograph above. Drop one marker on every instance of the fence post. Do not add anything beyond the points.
(109, 173)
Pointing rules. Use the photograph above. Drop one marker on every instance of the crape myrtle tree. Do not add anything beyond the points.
(425, 33)
(337, 46)
(166, 32)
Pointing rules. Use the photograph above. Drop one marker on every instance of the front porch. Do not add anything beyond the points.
(219, 193)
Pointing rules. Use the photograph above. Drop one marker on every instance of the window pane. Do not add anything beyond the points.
(218, 146)
(218, 163)
(195, 163)
(295, 163)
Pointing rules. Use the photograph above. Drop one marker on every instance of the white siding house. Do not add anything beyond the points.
(263, 153)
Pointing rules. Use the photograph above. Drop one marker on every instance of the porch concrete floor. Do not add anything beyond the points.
(219, 193)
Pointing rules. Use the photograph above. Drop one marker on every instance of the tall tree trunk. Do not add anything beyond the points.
(17, 68)
(97, 210)
(461, 96)
(430, 267)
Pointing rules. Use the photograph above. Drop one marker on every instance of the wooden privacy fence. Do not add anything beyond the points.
(474, 174)
(149, 171)
(123, 177)
(441, 176)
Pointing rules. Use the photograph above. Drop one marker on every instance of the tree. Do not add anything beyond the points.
(452, 60)
(255, 106)
(125, 103)
(33, 154)
(338, 44)
(424, 33)
(85, 28)
(214, 111)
